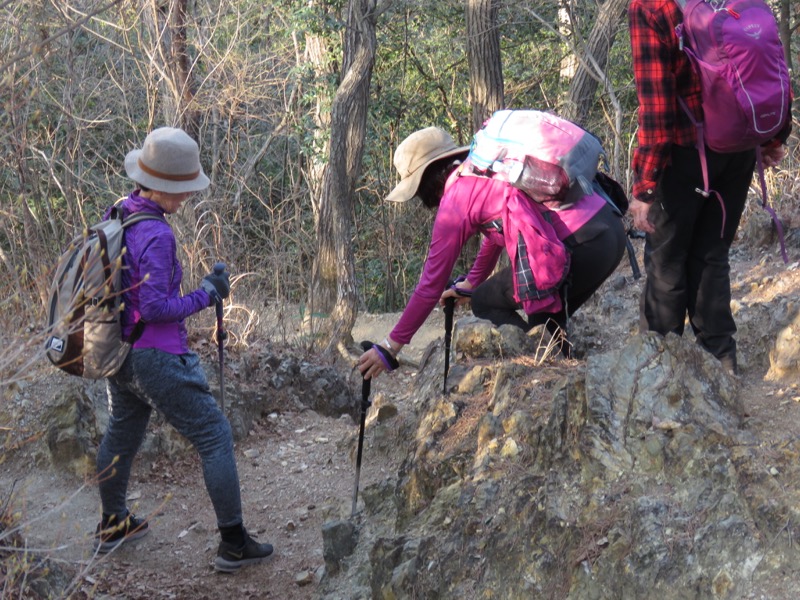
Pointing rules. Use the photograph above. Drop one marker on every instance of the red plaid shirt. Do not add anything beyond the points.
(663, 73)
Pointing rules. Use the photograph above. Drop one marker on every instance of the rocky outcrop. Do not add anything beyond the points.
(627, 476)
(784, 358)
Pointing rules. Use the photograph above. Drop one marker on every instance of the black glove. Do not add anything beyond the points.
(217, 284)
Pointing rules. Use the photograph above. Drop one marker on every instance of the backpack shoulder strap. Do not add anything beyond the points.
(137, 217)
(116, 213)
(138, 328)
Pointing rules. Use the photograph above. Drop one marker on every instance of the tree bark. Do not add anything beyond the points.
(182, 74)
(785, 28)
(316, 53)
(333, 286)
(485, 62)
(592, 60)
(170, 20)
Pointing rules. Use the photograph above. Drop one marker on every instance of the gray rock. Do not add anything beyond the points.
(784, 358)
(339, 539)
(634, 480)
(71, 431)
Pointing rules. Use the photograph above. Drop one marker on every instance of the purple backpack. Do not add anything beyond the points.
(735, 47)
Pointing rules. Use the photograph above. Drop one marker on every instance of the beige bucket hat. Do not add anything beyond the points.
(169, 161)
(415, 154)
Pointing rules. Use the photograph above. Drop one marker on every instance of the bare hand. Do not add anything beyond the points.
(640, 210)
(370, 364)
(771, 156)
(451, 293)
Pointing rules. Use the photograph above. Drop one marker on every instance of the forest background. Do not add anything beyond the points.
(297, 106)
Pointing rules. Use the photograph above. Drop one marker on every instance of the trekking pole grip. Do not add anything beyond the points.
(390, 362)
(219, 268)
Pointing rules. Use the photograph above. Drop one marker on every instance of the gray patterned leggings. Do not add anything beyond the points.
(176, 386)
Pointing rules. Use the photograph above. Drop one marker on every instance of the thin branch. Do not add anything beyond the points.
(61, 32)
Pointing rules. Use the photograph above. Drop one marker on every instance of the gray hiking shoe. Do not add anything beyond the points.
(231, 558)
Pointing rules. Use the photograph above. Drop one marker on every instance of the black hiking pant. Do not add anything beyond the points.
(687, 257)
(595, 251)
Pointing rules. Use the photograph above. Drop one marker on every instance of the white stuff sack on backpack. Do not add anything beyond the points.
(84, 303)
(539, 153)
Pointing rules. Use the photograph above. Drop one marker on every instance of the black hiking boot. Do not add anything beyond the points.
(231, 558)
(110, 533)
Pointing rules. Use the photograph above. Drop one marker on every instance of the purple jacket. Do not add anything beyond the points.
(151, 280)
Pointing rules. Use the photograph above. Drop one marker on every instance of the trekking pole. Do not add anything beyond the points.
(633, 234)
(449, 308)
(219, 268)
(365, 404)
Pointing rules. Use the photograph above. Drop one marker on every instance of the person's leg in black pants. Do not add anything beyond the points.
(493, 300)
(596, 249)
(687, 257)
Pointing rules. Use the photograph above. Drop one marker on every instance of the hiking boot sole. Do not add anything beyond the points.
(232, 566)
(106, 547)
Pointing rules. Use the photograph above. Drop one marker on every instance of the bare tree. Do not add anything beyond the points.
(169, 18)
(319, 56)
(485, 63)
(592, 59)
(333, 286)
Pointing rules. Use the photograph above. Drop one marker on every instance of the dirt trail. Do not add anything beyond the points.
(296, 471)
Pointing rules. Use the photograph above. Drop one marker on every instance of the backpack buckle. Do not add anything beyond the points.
(702, 192)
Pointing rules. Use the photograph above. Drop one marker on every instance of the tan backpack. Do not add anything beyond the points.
(84, 304)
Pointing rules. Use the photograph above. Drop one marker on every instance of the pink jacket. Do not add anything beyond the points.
(467, 204)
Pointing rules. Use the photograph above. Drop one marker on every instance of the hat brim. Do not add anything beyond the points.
(407, 188)
(133, 170)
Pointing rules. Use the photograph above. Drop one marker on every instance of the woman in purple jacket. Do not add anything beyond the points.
(160, 371)
(431, 167)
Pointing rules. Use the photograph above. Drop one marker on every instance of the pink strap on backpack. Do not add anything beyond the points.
(735, 48)
(706, 192)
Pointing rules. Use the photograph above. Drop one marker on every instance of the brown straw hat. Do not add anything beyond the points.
(415, 154)
(169, 161)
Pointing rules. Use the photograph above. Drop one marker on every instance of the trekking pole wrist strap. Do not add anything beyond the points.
(388, 360)
(463, 292)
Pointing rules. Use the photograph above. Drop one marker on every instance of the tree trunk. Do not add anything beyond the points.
(316, 53)
(170, 20)
(181, 65)
(569, 62)
(785, 26)
(333, 286)
(485, 64)
(592, 60)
